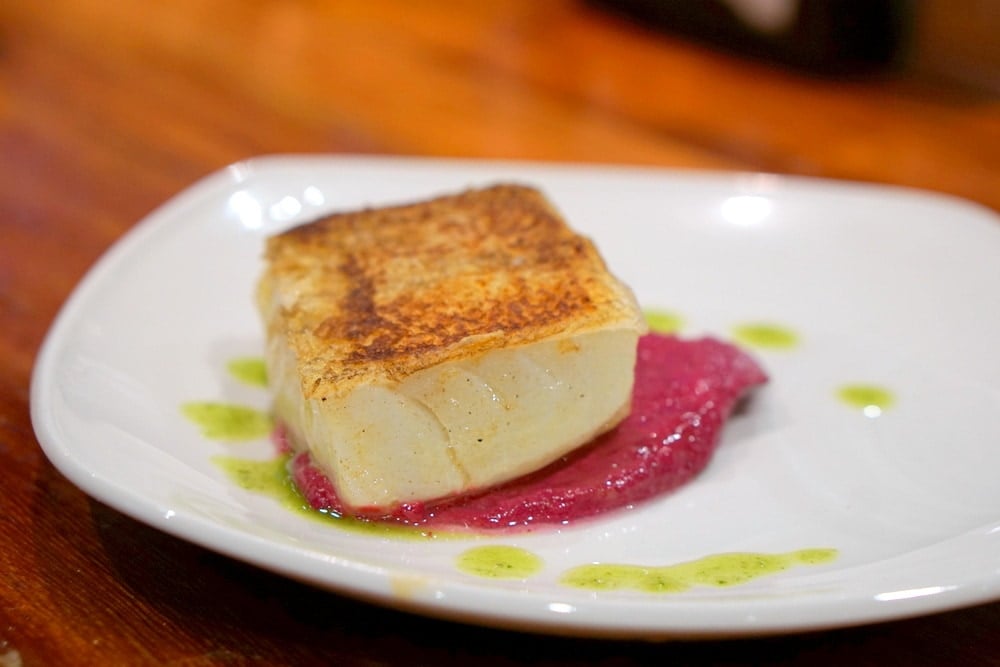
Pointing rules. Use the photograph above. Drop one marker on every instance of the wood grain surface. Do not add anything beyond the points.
(109, 108)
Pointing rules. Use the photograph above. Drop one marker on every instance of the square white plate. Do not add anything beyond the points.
(886, 287)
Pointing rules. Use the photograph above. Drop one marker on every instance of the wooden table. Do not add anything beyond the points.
(109, 108)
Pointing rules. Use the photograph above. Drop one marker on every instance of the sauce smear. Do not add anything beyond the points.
(684, 391)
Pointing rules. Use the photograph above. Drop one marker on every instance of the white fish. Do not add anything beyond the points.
(437, 348)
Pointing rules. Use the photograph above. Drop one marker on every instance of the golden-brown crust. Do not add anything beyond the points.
(377, 294)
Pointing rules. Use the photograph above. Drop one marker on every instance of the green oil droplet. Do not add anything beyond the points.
(765, 335)
(871, 399)
(814, 556)
(499, 562)
(663, 321)
(732, 569)
(717, 570)
(249, 370)
(269, 478)
(605, 576)
(225, 421)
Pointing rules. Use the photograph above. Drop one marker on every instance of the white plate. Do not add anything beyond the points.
(881, 286)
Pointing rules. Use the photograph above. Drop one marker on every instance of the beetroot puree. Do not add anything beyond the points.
(683, 392)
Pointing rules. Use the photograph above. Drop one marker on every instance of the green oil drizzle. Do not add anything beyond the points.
(499, 562)
(718, 570)
(765, 335)
(225, 421)
(663, 321)
(271, 478)
(249, 370)
(872, 399)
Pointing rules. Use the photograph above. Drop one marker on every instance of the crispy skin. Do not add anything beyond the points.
(371, 296)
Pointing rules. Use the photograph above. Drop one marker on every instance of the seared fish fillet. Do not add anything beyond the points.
(437, 348)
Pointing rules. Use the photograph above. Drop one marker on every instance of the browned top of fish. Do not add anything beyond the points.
(376, 294)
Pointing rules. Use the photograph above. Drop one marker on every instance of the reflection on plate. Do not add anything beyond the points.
(859, 487)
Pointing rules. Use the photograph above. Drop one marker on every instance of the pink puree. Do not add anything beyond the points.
(684, 391)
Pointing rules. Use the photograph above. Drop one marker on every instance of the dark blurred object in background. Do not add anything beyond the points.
(954, 41)
(823, 36)
(957, 41)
